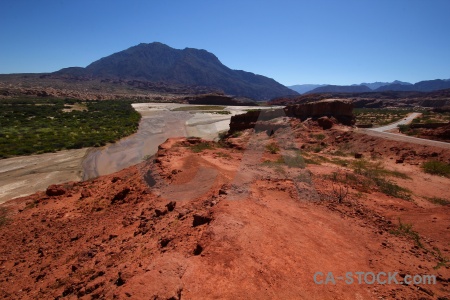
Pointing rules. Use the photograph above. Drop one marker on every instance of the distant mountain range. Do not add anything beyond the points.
(303, 88)
(422, 86)
(156, 62)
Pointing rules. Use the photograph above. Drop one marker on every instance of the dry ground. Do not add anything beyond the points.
(203, 220)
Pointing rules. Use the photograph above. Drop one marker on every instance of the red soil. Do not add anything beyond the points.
(220, 224)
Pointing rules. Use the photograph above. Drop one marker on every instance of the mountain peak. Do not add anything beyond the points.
(157, 62)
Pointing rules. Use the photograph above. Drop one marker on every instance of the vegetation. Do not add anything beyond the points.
(3, 216)
(392, 189)
(318, 136)
(405, 229)
(236, 134)
(436, 167)
(295, 161)
(403, 128)
(439, 201)
(196, 148)
(273, 148)
(29, 126)
(378, 116)
(429, 116)
(372, 174)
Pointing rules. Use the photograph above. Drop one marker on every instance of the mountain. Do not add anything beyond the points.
(303, 88)
(375, 85)
(156, 62)
(421, 86)
(340, 89)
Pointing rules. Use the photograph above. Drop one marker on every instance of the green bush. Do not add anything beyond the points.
(439, 201)
(196, 148)
(436, 167)
(403, 128)
(31, 125)
(273, 148)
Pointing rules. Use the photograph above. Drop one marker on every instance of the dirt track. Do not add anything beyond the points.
(404, 138)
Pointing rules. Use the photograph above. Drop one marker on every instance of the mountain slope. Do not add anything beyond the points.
(303, 88)
(421, 86)
(375, 85)
(340, 89)
(157, 62)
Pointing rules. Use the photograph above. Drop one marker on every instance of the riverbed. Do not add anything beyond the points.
(21, 176)
(159, 122)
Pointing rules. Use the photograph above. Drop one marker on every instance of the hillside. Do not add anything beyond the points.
(252, 227)
(396, 86)
(156, 62)
(303, 88)
(340, 89)
(421, 86)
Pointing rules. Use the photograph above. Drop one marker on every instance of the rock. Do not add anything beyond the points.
(121, 195)
(171, 205)
(325, 123)
(164, 242)
(159, 212)
(119, 281)
(399, 161)
(358, 155)
(198, 250)
(85, 194)
(258, 119)
(55, 190)
(341, 110)
(200, 220)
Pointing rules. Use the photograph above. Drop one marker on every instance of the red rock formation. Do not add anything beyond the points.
(342, 110)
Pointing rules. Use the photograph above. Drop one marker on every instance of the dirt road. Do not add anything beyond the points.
(394, 125)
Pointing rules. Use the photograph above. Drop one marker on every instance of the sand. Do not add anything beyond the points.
(24, 175)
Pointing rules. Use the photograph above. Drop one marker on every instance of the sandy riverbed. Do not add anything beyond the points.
(21, 176)
(24, 175)
(158, 123)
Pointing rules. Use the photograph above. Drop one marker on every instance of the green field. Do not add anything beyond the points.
(30, 125)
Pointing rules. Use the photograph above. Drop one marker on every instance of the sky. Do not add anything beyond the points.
(294, 42)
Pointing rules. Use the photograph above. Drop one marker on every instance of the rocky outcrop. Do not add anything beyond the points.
(325, 122)
(260, 120)
(341, 110)
(323, 111)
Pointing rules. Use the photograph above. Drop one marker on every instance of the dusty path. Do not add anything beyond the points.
(381, 132)
(394, 125)
(404, 138)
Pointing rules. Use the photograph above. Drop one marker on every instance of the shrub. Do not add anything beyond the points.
(273, 148)
(436, 167)
(390, 188)
(403, 128)
(295, 161)
(236, 134)
(405, 229)
(200, 147)
(438, 201)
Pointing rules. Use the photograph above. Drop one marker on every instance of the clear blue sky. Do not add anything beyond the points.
(294, 42)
